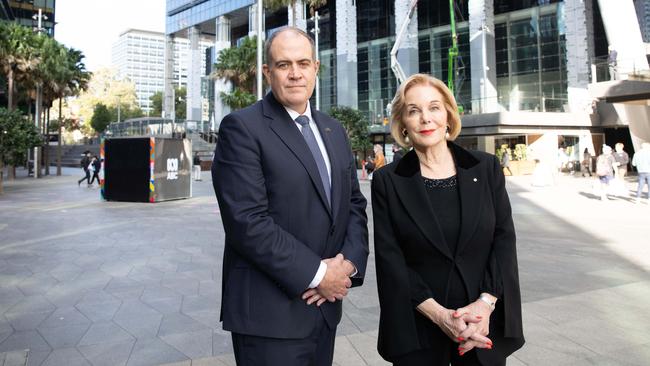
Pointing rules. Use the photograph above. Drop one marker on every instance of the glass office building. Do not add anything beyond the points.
(524, 66)
(25, 12)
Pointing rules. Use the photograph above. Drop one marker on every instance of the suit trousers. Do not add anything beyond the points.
(315, 350)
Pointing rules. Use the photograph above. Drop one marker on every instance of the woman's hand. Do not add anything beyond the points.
(476, 338)
(453, 326)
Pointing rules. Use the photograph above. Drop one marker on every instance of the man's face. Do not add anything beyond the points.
(291, 71)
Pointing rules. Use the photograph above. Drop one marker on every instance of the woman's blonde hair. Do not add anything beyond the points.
(399, 107)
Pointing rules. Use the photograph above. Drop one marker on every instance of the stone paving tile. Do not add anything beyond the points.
(64, 316)
(37, 284)
(26, 321)
(108, 354)
(99, 311)
(153, 351)
(29, 339)
(65, 357)
(179, 323)
(105, 332)
(14, 358)
(196, 344)
(64, 336)
(197, 303)
(36, 358)
(221, 342)
(167, 305)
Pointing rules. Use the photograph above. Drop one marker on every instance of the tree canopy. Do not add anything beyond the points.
(17, 135)
(355, 124)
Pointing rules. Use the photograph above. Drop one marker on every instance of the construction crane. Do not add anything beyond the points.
(452, 68)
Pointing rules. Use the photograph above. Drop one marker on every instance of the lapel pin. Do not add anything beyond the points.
(475, 180)
(327, 129)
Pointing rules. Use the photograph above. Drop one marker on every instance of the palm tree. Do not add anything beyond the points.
(239, 66)
(18, 56)
(70, 79)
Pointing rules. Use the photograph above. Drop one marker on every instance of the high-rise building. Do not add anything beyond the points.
(139, 56)
(643, 14)
(26, 12)
(523, 75)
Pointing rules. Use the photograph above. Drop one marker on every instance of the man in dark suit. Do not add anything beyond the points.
(293, 214)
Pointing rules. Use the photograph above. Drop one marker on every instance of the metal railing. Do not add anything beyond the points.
(160, 127)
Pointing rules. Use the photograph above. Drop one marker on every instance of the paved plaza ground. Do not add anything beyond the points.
(86, 282)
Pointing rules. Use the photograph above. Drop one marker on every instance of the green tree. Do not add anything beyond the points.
(17, 135)
(355, 124)
(156, 103)
(180, 95)
(238, 65)
(101, 118)
(18, 56)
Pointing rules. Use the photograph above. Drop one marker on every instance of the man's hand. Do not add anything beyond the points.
(334, 285)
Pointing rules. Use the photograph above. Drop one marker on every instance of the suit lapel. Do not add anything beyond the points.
(469, 187)
(411, 191)
(282, 125)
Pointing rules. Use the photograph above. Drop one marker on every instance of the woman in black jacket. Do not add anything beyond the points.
(445, 250)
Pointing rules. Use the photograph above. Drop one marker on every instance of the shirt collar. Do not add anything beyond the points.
(293, 114)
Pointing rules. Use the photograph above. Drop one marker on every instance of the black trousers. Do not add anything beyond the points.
(428, 357)
(315, 350)
(95, 175)
(86, 178)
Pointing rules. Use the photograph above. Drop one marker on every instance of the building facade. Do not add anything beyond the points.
(523, 72)
(26, 13)
(139, 55)
(643, 13)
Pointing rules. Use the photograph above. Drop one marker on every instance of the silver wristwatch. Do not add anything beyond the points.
(487, 300)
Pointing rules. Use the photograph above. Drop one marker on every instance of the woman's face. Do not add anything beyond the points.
(425, 116)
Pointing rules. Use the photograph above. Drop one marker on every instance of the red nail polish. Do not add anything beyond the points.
(461, 339)
(489, 347)
(460, 348)
(455, 314)
(479, 317)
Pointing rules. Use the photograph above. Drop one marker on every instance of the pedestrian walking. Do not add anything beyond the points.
(85, 160)
(605, 170)
(622, 158)
(586, 163)
(505, 160)
(196, 167)
(641, 161)
(96, 168)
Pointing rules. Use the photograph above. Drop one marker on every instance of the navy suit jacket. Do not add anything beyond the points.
(277, 220)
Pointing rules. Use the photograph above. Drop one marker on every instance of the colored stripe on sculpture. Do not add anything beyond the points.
(152, 189)
(102, 175)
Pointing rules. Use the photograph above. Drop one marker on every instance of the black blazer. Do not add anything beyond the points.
(414, 263)
(277, 220)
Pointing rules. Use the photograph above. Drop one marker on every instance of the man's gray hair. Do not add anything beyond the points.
(269, 42)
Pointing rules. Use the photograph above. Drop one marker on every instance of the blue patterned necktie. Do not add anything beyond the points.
(316, 153)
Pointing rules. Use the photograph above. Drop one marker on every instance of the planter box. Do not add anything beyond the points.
(521, 167)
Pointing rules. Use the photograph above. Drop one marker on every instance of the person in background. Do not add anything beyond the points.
(622, 158)
(605, 170)
(196, 166)
(505, 160)
(641, 161)
(585, 165)
(85, 160)
(397, 153)
(96, 168)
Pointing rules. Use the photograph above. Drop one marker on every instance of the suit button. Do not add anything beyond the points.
(332, 230)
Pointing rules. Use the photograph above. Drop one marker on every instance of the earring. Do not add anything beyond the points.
(404, 132)
(447, 132)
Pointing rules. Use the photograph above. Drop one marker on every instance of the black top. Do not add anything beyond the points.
(445, 201)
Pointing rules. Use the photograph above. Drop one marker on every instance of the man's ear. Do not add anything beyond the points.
(266, 71)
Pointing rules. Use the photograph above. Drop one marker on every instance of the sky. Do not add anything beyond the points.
(92, 26)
